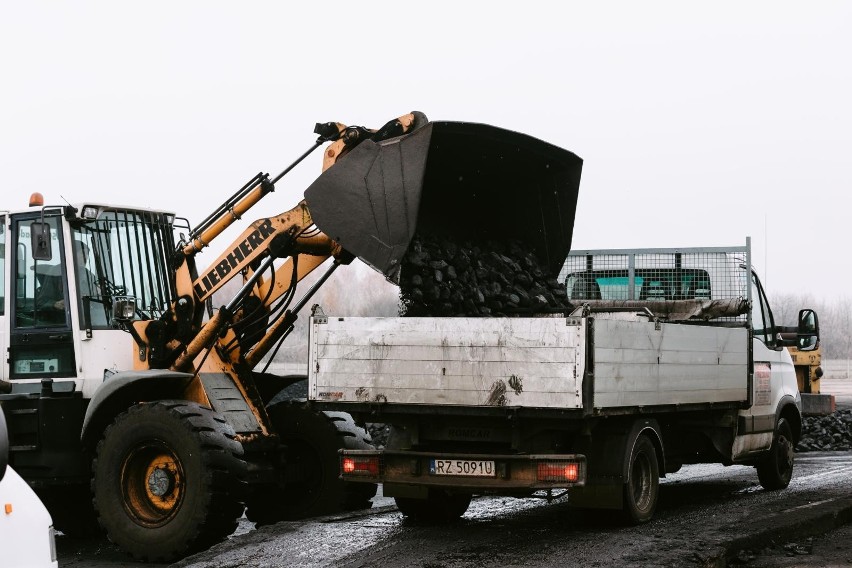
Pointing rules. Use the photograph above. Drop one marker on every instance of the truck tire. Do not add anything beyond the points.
(164, 480)
(439, 506)
(309, 481)
(776, 470)
(643, 482)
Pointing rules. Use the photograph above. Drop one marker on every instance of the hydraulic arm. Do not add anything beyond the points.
(259, 312)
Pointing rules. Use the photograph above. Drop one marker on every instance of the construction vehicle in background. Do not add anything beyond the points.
(134, 407)
(806, 354)
(807, 361)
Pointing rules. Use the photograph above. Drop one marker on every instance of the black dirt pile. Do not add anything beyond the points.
(826, 433)
(440, 277)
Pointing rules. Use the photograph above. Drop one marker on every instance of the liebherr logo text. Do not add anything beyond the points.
(219, 272)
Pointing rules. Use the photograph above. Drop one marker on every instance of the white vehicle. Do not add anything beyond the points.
(26, 531)
(671, 356)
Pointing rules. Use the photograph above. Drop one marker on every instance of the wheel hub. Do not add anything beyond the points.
(787, 453)
(160, 482)
(152, 484)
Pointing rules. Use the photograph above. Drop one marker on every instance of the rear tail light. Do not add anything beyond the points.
(356, 465)
(559, 471)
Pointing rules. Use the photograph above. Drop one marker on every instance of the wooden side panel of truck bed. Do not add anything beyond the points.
(528, 362)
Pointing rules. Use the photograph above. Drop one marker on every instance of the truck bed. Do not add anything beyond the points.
(539, 362)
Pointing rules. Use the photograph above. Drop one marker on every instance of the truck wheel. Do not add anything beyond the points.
(309, 481)
(776, 470)
(164, 479)
(643, 482)
(439, 506)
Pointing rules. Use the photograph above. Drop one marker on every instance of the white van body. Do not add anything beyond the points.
(26, 530)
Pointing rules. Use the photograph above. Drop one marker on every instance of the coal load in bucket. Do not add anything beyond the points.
(455, 185)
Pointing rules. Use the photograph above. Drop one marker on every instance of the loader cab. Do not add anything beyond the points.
(64, 267)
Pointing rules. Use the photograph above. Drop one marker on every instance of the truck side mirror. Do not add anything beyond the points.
(40, 241)
(807, 333)
(4, 445)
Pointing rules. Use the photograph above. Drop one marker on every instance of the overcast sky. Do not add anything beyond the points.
(698, 126)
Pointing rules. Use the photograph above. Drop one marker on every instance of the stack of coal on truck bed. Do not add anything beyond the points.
(441, 277)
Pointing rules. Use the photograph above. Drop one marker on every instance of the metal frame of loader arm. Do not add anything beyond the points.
(263, 241)
(253, 243)
(320, 247)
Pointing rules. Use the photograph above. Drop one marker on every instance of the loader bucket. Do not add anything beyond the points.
(459, 180)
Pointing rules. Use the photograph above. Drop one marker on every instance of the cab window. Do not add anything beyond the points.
(761, 316)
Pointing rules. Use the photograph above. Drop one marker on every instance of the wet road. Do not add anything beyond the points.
(700, 507)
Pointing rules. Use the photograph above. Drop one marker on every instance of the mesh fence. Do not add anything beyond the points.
(656, 276)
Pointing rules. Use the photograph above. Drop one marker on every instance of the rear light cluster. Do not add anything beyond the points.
(567, 471)
(360, 465)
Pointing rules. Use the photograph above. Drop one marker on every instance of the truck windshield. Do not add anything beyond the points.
(124, 253)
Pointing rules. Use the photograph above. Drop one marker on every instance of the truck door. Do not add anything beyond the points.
(774, 376)
(41, 342)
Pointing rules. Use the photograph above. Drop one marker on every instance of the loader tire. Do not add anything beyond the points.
(776, 470)
(643, 482)
(439, 506)
(165, 478)
(309, 481)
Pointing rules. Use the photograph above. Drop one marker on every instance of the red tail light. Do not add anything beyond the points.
(559, 471)
(360, 465)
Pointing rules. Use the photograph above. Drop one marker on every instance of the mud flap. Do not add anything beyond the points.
(608, 453)
(456, 179)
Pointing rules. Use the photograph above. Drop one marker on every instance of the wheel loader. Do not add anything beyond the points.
(138, 408)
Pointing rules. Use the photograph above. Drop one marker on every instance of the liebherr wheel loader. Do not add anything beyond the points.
(132, 411)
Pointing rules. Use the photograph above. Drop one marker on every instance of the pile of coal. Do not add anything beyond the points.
(442, 277)
(826, 433)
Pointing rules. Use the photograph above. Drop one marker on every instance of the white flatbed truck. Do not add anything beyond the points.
(669, 357)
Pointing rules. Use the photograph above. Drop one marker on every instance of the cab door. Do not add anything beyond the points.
(774, 379)
(41, 341)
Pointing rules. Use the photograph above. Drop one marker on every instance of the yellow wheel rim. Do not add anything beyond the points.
(152, 484)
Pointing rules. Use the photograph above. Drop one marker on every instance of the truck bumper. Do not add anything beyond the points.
(485, 472)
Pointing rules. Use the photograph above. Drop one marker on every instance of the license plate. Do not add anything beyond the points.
(467, 468)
